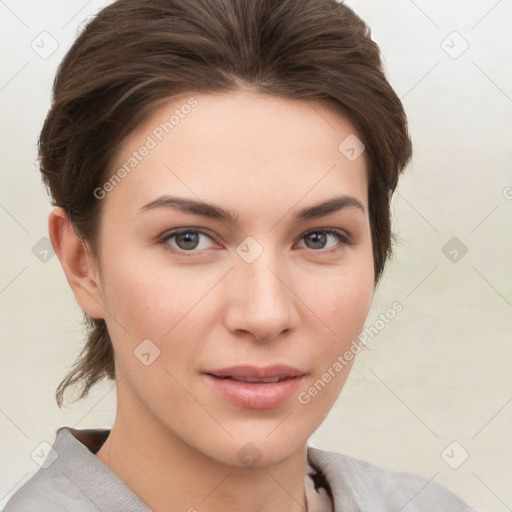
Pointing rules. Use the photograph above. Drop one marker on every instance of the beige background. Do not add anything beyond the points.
(438, 373)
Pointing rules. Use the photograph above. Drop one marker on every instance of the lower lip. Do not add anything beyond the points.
(258, 395)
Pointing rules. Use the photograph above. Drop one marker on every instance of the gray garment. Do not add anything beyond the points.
(77, 481)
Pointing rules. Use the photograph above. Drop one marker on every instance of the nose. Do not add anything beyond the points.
(261, 299)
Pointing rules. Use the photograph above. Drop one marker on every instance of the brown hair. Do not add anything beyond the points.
(135, 53)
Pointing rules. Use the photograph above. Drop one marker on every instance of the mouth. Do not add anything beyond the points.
(256, 388)
(246, 373)
(253, 379)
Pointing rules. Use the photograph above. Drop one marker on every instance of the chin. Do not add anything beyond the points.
(258, 448)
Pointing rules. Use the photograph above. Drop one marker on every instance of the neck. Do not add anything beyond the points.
(167, 474)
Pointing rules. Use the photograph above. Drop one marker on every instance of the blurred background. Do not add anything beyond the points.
(432, 391)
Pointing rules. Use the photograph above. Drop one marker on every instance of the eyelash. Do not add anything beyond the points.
(342, 237)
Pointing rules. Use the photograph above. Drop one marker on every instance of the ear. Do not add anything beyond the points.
(78, 264)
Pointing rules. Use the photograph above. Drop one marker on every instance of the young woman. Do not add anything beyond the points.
(221, 172)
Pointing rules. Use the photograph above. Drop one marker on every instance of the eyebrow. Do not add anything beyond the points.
(212, 211)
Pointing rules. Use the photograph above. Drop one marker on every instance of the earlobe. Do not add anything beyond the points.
(78, 264)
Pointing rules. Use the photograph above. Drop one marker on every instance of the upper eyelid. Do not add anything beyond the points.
(177, 231)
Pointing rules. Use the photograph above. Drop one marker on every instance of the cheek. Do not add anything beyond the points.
(353, 300)
(340, 307)
(156, 302)
(342, 300)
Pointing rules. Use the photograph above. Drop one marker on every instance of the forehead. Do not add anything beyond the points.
(239, 147)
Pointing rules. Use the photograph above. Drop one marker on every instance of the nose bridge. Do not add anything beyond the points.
(261, 301)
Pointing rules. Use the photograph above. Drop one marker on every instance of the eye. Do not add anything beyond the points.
(186, 240)
(319, 239)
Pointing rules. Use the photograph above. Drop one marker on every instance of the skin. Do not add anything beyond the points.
(262, 158)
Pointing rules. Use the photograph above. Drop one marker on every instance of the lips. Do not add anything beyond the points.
(256, 388)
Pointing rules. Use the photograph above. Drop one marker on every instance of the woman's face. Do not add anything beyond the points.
(218, 262)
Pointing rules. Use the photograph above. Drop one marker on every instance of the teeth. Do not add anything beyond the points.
(254, 379)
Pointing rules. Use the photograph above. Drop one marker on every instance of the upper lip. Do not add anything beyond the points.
(254, 372)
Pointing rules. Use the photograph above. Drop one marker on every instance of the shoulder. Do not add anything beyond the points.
(52, 488)
(73, 479)
(47, 490)
(362, 486)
